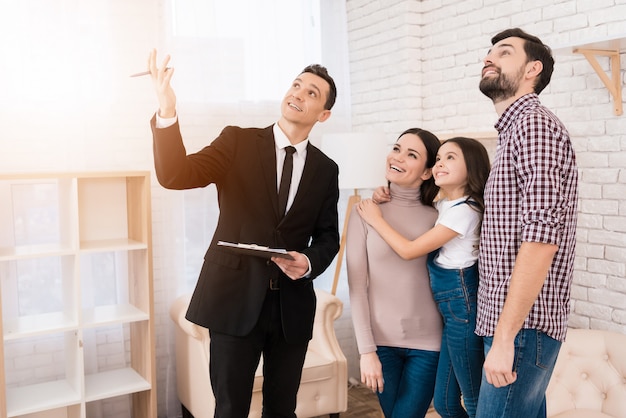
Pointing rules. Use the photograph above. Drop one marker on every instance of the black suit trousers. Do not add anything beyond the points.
(234, 361)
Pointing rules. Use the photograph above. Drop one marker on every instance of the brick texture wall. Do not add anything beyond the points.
(417, 63)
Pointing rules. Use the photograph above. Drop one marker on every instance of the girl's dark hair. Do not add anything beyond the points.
(428, 189)
(478, 167)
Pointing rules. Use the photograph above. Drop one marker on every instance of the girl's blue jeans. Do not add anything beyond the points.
(462, 353)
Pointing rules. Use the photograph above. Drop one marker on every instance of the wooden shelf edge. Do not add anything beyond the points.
(40, 397)
(603, 43)
(35, 251)
(38, 325)
(113, 314)
(121, 244)
(113, 383)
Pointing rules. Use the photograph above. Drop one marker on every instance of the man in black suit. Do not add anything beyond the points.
(252, 305)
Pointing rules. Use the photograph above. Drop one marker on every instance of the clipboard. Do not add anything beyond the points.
(256, 250)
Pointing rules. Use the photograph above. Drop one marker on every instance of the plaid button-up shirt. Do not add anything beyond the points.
(531, 196)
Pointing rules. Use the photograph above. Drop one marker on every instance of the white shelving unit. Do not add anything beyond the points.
(76, 295)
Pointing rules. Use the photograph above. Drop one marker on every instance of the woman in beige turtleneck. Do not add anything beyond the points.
(396, 321)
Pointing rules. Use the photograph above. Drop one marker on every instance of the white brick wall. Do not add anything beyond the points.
(384, 62)
(449, 39)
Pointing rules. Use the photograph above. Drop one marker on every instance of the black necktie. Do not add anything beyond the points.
(285, 181)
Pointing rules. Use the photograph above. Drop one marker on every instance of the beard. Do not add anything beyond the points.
(501, 87)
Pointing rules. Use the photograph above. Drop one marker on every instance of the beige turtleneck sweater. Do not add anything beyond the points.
(390, 298)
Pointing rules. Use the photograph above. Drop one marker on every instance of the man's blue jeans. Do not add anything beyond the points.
(535, 356)
(409, 376)
(462, 351)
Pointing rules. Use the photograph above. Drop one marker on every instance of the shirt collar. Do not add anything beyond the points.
(281, 140)
(511, 113)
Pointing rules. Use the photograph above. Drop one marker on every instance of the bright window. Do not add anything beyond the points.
(232, 50)
(57, 52)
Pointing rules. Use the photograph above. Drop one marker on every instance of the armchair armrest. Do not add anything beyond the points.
(324, 341)
(178, 310)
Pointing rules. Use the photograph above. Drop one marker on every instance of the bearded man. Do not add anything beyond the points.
(527, 242)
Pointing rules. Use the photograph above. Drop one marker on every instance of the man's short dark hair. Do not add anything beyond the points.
(535, 51)
(321, 71)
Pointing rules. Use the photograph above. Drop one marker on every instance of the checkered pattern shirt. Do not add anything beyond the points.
(531, 196)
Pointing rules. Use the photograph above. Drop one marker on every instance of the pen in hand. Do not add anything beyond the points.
(145, 73)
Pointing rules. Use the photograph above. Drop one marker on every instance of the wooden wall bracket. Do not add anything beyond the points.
(614, 83)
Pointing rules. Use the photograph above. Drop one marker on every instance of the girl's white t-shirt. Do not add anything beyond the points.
(463, 218)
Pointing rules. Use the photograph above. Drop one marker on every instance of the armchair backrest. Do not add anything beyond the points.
(590, 373)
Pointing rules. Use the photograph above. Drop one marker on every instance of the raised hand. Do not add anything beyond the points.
(161, 77)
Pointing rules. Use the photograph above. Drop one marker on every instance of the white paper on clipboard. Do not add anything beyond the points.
(256, 250)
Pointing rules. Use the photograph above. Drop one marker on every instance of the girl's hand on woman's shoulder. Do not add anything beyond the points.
(369, 210)
(381, 194)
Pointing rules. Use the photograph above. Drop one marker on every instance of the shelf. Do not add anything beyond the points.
(76, 293)
(113, 383)
(40, 397)
(113, 314)
(606, 47)
(35, 325)
(122, 244)
(607, 43)
(32, 251)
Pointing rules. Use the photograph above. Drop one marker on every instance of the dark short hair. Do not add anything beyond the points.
(535, 51)
(322, 72)
(428, 189)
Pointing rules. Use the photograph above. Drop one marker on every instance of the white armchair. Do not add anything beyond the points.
(324, 385)
(589, 378)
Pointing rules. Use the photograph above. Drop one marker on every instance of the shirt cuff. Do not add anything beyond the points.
(162, 123)
(308, 272)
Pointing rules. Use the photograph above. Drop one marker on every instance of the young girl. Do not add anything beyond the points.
(396, 321)
(461, 172)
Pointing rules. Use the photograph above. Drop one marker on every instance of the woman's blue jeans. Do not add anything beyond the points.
(461, 359)
(535, 356)
(409, 381)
